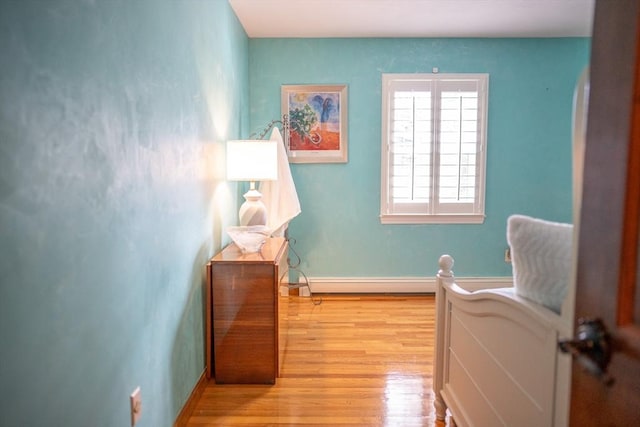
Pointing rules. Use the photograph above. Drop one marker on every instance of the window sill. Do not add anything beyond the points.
(432, 219)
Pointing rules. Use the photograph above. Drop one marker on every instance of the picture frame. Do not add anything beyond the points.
(317, 117)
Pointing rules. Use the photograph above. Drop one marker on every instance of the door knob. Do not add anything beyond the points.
(591, 347)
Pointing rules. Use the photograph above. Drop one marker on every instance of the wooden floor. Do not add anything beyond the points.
(350, 361)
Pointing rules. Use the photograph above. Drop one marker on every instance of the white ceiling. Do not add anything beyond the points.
(415, 18)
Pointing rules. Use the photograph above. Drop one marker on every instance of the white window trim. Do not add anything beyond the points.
(431, 219)
(478, 216)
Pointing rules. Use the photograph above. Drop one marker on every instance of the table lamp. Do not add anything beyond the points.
(252, 160)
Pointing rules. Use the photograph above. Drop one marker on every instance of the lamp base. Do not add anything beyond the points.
(253, 211)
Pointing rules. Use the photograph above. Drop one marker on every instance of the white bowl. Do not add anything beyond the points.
(250, 238)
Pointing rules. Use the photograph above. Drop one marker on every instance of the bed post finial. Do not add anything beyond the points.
(444, 277)
(446, 264)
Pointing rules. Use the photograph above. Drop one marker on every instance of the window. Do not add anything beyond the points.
(433, 148)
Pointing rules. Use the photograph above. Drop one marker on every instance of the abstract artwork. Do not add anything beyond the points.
(317, 123)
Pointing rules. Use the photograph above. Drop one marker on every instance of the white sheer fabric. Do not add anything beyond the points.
(280, 197)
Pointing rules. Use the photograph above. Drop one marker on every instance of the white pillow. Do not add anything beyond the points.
(541, 254)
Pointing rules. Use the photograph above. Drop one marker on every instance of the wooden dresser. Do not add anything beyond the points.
(242, 326)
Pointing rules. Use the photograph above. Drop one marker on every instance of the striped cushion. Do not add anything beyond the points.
(541, 254)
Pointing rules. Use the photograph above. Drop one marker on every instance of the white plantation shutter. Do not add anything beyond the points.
(433, 148)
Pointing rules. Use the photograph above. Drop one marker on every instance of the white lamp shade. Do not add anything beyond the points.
(252, 160)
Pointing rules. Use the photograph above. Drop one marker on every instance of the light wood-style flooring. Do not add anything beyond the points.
(350, 361)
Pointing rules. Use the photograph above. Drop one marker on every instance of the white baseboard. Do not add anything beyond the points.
(356, 285)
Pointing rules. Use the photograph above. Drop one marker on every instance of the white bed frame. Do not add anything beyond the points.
(496, 359)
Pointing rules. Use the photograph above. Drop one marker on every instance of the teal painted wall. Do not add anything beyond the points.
(112, 198)
(529, 147)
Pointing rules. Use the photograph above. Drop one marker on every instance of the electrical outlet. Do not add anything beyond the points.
(136, 406)
(507, 255)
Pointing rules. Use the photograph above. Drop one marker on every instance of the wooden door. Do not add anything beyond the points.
(608, 285)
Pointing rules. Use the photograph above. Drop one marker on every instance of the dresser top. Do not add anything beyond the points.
(269, 253)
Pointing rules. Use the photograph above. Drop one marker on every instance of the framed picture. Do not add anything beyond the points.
(317, 130)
